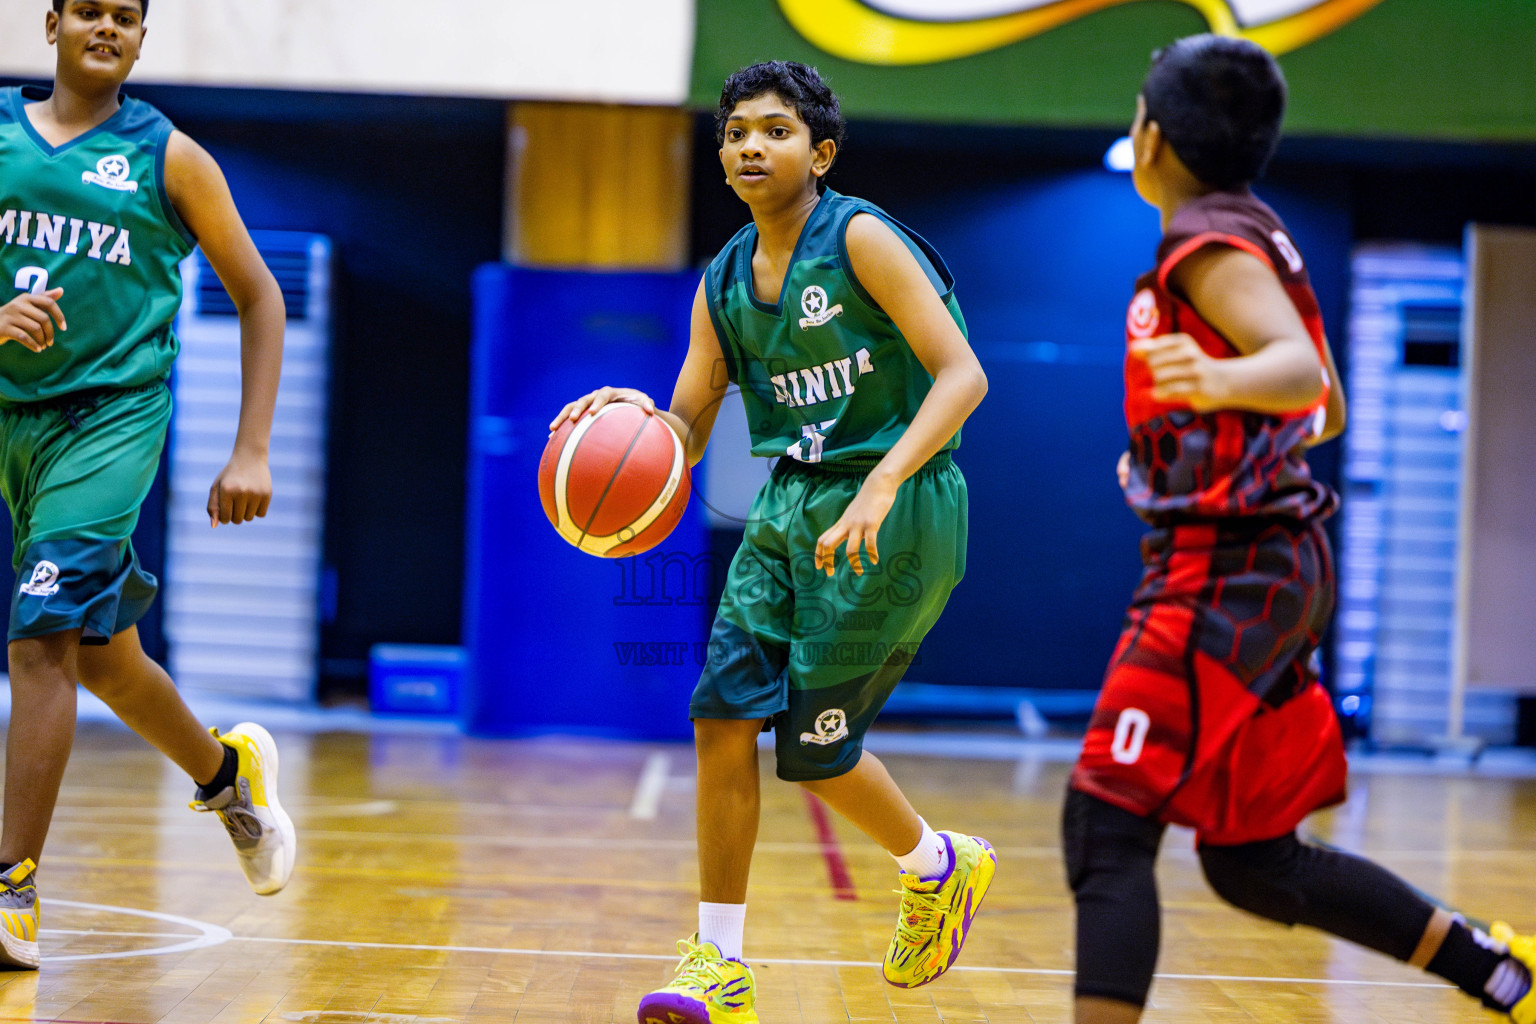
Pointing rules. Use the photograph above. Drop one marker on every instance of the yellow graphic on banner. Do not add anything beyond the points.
(927, 31)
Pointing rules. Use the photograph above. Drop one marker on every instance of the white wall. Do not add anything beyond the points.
(620, 51)
(1496, 589)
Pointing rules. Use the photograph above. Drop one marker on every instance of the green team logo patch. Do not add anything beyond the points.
(111, 172)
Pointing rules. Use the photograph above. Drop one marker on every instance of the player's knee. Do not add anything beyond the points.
(727, 739)
(1257, 877)
(41, 660)
(1102, 843)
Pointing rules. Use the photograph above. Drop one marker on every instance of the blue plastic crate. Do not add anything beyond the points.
(415, 679)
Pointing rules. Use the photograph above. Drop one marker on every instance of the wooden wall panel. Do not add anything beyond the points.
(598, 187)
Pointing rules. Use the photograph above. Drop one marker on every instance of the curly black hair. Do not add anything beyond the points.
(797, 84)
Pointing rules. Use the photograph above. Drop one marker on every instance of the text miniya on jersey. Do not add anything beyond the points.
(60, 233)
(810, 385)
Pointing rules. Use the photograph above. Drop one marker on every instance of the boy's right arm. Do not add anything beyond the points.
(30, 317)
(696, 396)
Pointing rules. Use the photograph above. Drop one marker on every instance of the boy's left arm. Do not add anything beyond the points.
(891, 275)
(198, 191)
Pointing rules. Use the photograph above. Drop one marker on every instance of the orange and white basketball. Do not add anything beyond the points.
(614, 482)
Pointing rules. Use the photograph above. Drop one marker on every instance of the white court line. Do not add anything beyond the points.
(111, 934)
(212, 935)
(365, 809)
(653, 780)
(1049, 971)
(208, 934)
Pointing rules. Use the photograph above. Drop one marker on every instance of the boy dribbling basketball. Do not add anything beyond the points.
(841, 329)
(1210, 715)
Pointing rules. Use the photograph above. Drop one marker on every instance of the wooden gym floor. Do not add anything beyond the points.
(443, 879)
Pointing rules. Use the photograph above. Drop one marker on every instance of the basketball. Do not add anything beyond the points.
(614, 482)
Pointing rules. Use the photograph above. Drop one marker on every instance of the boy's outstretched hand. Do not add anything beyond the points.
(30, 318)
(858, 526)
(241, 492)
(1182, 373)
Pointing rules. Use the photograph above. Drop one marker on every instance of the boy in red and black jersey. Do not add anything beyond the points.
(1211, 715)
(1225, 461)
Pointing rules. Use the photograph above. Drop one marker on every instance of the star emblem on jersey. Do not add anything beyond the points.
(831, 726)
(111, 172)
(44, 581)
(1142, 318)
(813, 303)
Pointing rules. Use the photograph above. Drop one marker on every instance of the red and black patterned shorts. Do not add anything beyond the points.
(1211, 715)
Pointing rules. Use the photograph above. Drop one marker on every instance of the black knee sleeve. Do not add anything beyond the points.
(1263, 878)
(1288, 881)
(1110, 857)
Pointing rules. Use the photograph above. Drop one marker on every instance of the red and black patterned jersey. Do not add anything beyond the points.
(1230, 462)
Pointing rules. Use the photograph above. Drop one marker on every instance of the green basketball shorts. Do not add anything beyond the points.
(816, 656)
(74, 471)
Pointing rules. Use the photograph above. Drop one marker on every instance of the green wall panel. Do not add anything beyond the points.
(1449, 69)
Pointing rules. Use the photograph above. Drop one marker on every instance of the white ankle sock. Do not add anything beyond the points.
(929, 859)
(723, 924)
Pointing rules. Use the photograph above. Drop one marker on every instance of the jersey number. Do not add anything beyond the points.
(810, 432)
(1130, 735)
(32, 279)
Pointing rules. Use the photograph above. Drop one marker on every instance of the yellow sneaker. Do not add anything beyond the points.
(261, 831)
(936, 916)
(708, 989)
(1523, 949)
(19, 914)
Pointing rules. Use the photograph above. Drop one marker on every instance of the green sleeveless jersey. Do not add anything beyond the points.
(824, 373)
(91, 217)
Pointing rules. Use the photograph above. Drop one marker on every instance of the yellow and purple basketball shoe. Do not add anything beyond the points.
(708, 989)
(19, 917)
(1523, 949)
(936, 915)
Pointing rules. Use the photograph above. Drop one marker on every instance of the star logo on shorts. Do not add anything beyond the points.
(44, 581)
(831, 726)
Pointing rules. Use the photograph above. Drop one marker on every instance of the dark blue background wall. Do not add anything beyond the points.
(410, 191)
(559, 640)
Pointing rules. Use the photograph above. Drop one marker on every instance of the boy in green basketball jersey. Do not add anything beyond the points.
(100, 200)
(841, 329)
